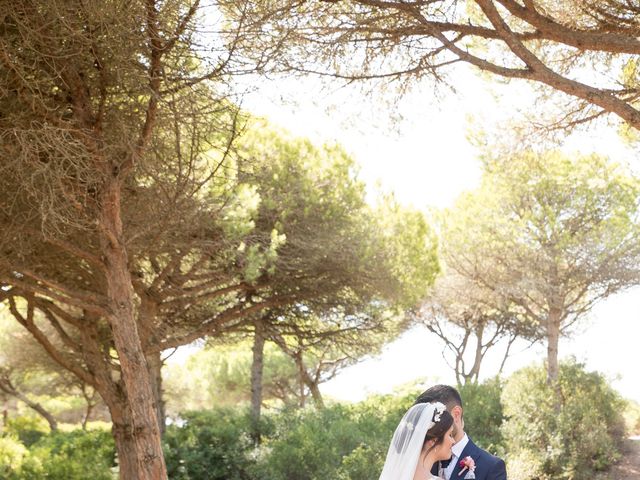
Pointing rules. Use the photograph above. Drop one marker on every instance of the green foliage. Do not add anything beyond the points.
(409, 247)
(343, 442)
(632, 417)
(309, 211)
(305, 449)
(210, 445)
(363, 463)
(483, 414)
(28, 428)
(73, 455)
(220, 375)
(515, 419)
(16, 463)
(76, 455)
(580, 438)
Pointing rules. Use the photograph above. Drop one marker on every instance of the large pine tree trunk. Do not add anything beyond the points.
(137, 440)
(123, 431)
(553, 338)
(553, 369)
(257, 369)
(154, 363)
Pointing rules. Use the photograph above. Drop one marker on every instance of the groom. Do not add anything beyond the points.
(487, 467)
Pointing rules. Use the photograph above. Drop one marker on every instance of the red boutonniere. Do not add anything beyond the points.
(465, 464)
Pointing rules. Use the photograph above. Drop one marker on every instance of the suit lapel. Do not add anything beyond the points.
(468, 450)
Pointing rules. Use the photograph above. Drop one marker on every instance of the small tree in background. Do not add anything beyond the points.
(29, 375)
(347, 268)
(471, 319)
(551, 234)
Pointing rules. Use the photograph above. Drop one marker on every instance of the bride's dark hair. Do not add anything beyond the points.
(438, 431)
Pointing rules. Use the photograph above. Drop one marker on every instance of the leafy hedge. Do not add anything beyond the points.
(74, 455)
(212, 445)
(519, 419)
(339, 442)
(483, 414)
(14, 459)
(569, 436)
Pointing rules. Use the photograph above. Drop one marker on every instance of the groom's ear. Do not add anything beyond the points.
(456, 413)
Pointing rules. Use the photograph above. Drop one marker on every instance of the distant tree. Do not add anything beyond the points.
(320, 347)
(219, 375)
(338, 259)
(471, 319)
(29, 375)
(552, 234)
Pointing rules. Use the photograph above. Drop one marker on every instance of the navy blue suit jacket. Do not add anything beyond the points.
(488, 467)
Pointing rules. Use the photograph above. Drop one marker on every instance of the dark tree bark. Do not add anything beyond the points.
(141, 451)
(257, 369)
(154, 363)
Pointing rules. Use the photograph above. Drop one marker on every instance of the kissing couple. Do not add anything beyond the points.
(430, 443)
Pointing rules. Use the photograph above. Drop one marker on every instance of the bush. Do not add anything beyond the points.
(346, 442)
(210, 445)
(483, 414)
(15, 461)
(363, 463)
(76, 455)
(632, 417)
(28, 429)
(309, 444)
(566, 440)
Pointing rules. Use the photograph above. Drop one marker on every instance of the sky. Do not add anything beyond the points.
(418, 148)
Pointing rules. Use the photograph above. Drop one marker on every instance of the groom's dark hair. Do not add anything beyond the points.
(440, 393)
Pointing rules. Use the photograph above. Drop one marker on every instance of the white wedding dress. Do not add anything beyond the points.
(408, 439)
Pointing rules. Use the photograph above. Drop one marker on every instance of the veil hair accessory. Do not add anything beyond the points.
(408, 439)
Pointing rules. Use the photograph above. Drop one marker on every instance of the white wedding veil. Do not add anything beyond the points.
(408, 439)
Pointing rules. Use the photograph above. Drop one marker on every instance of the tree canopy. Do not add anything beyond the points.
(552, 233)
(585, 49)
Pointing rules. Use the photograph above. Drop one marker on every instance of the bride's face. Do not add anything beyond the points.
(443, 451)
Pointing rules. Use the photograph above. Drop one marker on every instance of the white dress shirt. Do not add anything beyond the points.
(456, 451)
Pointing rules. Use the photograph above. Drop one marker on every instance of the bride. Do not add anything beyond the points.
(423, 437)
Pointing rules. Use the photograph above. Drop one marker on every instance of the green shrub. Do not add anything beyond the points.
(338, 442)
(632, 417)
(28, 429)
(210, 445)
(308, 444)
(76, 455)
(483, 414)
(16, 462)
(569, 439)
(363, 463)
